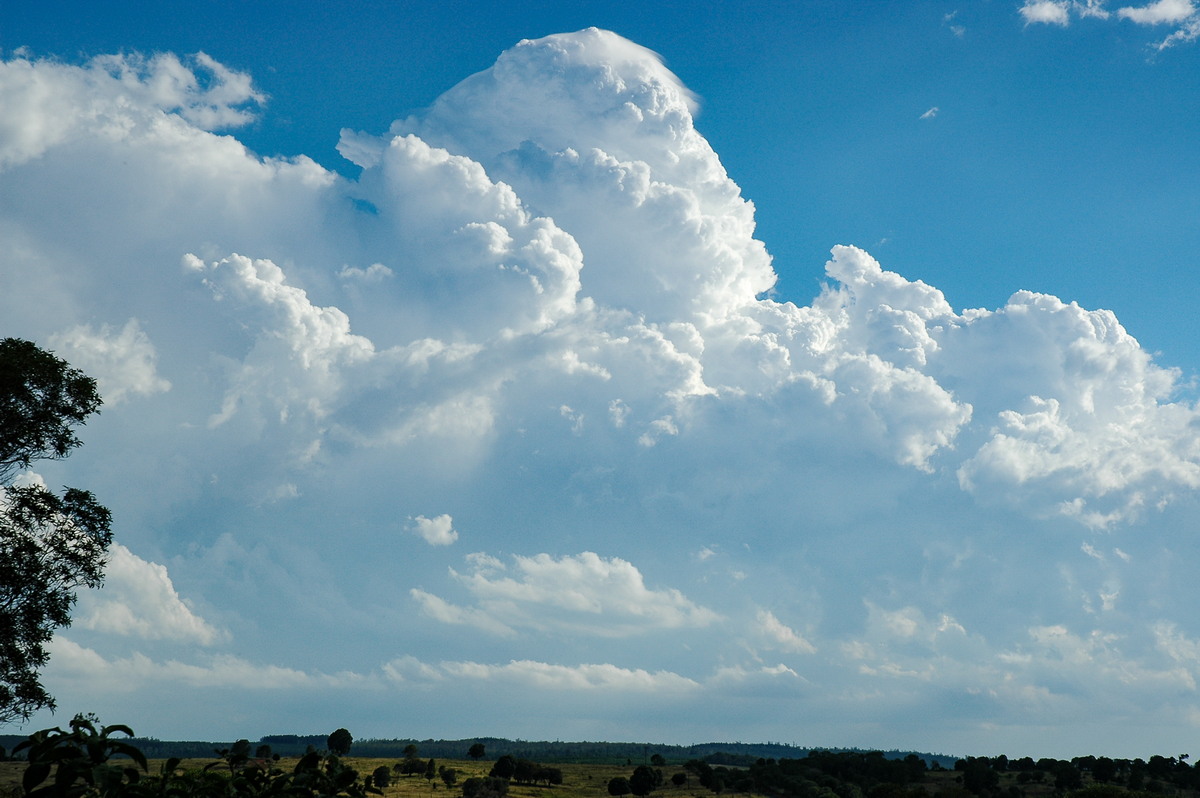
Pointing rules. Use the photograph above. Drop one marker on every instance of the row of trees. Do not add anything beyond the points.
(523, 771)
(982, 775)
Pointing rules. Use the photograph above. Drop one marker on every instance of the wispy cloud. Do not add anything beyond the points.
(1181, 13)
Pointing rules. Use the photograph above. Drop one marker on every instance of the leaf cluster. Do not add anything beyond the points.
(42, 399)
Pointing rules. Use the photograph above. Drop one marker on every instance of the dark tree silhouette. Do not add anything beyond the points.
(618, 786)
(505, 768)
(476, 751)
(490, 787)
(643, 781)
(339, 742)
(50, 545)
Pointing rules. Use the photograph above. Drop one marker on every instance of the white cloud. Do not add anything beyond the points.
(374, 273)
(123, 363)
(436, 531)
(1090, 8)
(444, 612)
(208, 94)
(584, 593)
(1053, 12)
(544, 676)
(956, 29)
(1159, 13)
(1188, 32)
(1077, 444)
(137, 671)
(51, 103)
(1182, 13)
(138, 599)
(781, 635)
(614, 680)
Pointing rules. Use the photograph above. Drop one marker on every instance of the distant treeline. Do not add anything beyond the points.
(600, 753)
(77, 764)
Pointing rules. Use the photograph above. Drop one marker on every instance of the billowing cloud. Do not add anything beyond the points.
(139, 599)
(123, 363)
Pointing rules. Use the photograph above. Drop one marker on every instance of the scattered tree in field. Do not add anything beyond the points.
(643, 781)
(411, 763)
(505, 768)
(381, 777)
(50, 545)
(618, 786)
(477, 751)
(490, 787)
(449, 776)
(679, 779)
(657, 760)
(339, 742)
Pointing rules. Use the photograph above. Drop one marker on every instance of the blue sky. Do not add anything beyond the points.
(452, 406)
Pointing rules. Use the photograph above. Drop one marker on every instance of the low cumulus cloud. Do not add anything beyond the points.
(582, 593)
(436, 531)
(137, 670)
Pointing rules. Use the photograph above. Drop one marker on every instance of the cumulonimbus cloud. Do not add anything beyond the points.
(543, 302)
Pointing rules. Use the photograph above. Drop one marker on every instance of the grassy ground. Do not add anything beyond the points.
(579, 781)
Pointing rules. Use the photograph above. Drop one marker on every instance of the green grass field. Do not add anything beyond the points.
(579, 781)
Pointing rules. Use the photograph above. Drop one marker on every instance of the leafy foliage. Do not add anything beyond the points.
(78, 760)
(50, 545)
(42, 399)
(76, 764)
